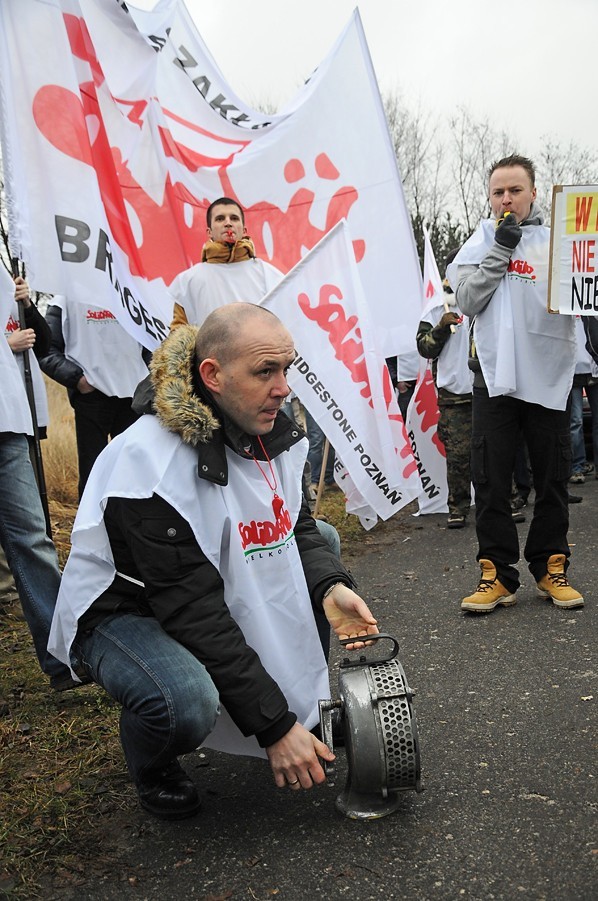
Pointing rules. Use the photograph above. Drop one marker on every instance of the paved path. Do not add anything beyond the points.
(506, 706)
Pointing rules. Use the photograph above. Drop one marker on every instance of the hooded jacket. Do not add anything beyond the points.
(475, 286)
(154, 545)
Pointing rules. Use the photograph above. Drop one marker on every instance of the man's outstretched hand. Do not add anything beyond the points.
(349, 615)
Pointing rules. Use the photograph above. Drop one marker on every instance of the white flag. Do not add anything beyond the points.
(119, 130)
(341, 376)
(423, 414)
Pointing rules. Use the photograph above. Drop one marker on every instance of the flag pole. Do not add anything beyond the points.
(320, 489)
(35, 444)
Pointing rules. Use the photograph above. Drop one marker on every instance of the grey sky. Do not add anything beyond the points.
(525, 64)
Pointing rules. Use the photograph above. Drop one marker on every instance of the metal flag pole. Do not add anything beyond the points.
(320, 488)
(36, 445)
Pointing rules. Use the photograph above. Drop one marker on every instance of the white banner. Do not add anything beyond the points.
(119, 130)
(342, 378)
(423, 413)
(573, 282)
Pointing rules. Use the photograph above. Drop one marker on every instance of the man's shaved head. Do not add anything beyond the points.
(221, 333)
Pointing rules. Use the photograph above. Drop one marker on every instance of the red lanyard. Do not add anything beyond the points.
(277, 502)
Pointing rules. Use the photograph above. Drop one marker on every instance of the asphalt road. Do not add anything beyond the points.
(506, 710)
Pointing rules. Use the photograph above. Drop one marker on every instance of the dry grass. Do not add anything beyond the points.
(60, 757)
(60, 450)
(62, 770)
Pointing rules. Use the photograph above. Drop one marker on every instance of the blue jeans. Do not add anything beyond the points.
(169, 702)
(331, 536)
(31, 555)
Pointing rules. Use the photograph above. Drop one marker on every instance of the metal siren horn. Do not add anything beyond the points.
(374, 718)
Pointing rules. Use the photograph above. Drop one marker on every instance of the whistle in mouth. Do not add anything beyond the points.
(503, 217)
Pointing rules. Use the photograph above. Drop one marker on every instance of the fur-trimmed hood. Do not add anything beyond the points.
(176, 402)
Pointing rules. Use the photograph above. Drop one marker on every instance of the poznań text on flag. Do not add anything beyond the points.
(340, 375)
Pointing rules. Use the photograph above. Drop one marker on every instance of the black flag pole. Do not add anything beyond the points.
(36, 445)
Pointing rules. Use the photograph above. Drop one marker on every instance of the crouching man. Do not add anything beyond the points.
(195, 568)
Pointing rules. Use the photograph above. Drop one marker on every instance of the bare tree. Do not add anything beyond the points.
(570, 165)
(422, 167)
(474, 146)
(40, 299)
(4, 247)
(420, 163)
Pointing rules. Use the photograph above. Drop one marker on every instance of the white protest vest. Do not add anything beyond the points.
(452, 370)
(94, 340)
(14, 407)
(208, 286)
(37, 379)
(264, 583)
(524, 351)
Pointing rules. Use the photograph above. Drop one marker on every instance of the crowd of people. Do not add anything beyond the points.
(194, 544)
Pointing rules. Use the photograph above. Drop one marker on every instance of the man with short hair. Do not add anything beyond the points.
(196, 568)
(523, 371)
(229, 269)
(229, 272)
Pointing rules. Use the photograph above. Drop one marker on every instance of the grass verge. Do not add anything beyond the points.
(61, 767)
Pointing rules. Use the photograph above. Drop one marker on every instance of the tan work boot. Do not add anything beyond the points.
(489, 592)
(555, 584)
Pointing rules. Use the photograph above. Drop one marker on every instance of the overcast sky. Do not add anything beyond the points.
(528, 65)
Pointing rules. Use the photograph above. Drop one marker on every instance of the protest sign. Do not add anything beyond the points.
(573, 279)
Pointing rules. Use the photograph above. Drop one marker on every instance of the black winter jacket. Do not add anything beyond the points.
(152, 543)
(35, 320)
(590, 324)
(55, 363)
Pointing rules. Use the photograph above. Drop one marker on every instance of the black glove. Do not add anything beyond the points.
(449, 318)
(508, 233)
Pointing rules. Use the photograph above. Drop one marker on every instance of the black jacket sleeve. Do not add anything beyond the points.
(54, 363)
(590, 324)
(35, 320)
(320, 565)
(151, 542)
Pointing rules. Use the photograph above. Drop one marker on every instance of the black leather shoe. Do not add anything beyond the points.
(455, 521)
(170, 794)
(66, 682)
